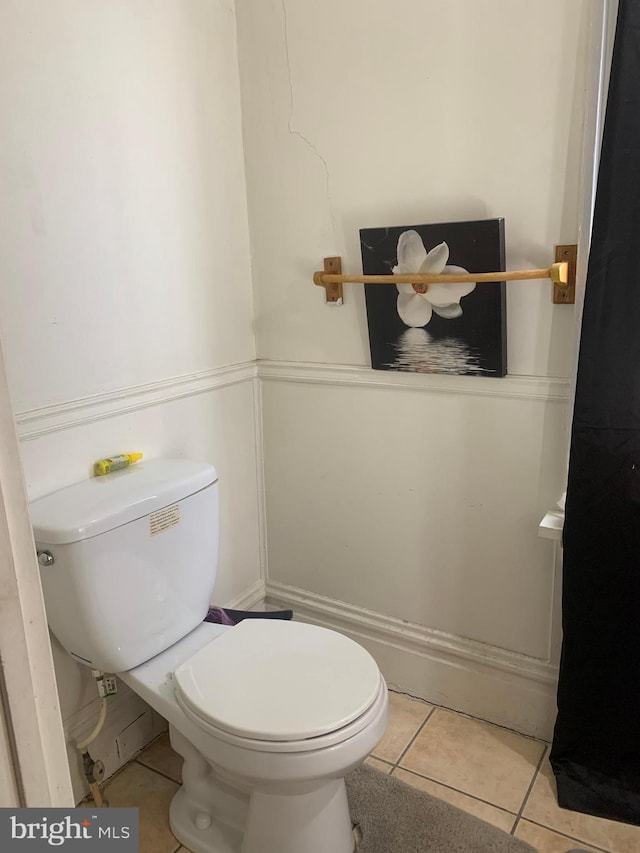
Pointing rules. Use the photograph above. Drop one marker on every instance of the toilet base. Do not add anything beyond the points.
(209, 815)
(218, 837)
(313, 822)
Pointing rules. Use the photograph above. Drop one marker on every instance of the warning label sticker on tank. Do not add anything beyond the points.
(163, 519)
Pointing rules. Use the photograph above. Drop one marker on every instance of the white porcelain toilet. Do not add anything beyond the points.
(268, 715)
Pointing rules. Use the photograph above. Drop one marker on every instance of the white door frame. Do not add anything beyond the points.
(34, 768)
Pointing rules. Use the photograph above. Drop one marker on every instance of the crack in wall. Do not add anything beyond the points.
(294, 132)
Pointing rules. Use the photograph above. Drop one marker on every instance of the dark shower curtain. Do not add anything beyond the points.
(596, 747)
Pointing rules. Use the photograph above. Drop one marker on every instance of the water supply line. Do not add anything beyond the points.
(94, 770)
(81, 745)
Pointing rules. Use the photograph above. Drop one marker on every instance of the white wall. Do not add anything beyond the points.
(123, 187)
(126, 305)
(415, 499)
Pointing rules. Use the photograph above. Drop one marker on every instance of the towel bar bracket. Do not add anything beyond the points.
(566, 294)
(333, 289)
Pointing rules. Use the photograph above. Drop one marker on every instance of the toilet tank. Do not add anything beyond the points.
(135, 555)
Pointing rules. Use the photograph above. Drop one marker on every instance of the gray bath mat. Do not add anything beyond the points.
(393, 817)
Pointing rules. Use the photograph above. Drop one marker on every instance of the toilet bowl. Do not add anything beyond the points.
(268, 715)
(246, 793)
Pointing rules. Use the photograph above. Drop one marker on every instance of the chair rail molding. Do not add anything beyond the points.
(546, 389)
(40, 421)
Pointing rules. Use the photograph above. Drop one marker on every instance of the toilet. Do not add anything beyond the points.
(268, 715)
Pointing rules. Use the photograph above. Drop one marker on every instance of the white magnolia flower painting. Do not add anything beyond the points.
(456, 327)
(416, 302)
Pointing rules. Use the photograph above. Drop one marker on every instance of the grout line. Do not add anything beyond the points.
(154, 770)
(540, 740)
(570, 837)
(410, 744)
(529, 789)
(457, 791)
(381, 760)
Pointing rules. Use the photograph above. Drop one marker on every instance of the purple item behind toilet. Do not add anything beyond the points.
(217, 615)
(224, 616)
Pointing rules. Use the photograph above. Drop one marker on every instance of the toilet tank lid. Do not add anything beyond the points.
(101, 504)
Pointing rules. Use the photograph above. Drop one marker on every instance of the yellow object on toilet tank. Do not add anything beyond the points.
(115, 463)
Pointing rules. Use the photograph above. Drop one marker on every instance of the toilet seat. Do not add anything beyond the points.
(308, 745)
(278, 683)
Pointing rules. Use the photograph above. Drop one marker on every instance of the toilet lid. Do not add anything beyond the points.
(275, 680)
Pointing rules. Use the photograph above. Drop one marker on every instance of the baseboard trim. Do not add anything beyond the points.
(250, 598)
(541, 388)
(35, 423)
(487, 682)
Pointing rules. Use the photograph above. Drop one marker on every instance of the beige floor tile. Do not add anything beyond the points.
(490, 814)
(546, 841)
(476, 758)
(382, 766)
(151, 793)
(159, 756)
(542, 807)
(406, 715)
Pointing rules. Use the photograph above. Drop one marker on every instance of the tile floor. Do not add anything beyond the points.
(495, 774)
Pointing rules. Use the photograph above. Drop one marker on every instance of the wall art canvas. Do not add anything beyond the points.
(445, 328)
